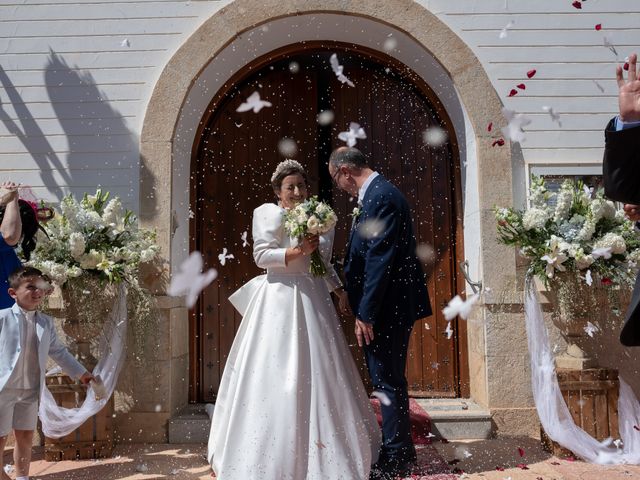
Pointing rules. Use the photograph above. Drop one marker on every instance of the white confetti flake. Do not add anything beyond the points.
(287, 147)
(390, 44)
(175, 471)
(459, 307)
(190, 280)
(294, 67)
(243, 237)
(604, 252)
(435, 136)
(125, 43)
(435, 365)
(325, 118)
(224, 256)
(253, 103)
(618, 443)
(354, 133)
(192, 214)
(158, 408)
(384, 399)
(448, 331)
(8, 469)
(554, 116)
(467, 454)
(371, 228)
(338, 70)
(590, 329)
(513, 131)
(504, 32)
(427, 327)
(588, 278)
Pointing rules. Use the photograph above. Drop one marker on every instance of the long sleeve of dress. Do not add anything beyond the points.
(268, 231)
(326, 249)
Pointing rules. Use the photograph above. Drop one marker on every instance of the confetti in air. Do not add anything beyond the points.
(608, 42)
(512, 93)
(604, 252)
(384, 399)
(521, 86)
(588, 278)
(458, 307)
(435, 136)
(531, 73)
(499, 142)
(243, 237)
(504, 32)
(294, 67)
(190, 280)
(598, 27)
(577, 5)
(350, 136)
(125, 43)
(425, 253)
(590, 329)
(390, 44)
(554, 116)
(253, 103)
(513, 131)
(371, 228)
(287, 147)
(338, 69)
(448, 331)
(600, 87)
(325, 118)
(224, 256)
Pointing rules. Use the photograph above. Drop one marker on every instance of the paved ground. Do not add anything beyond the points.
(478, 460)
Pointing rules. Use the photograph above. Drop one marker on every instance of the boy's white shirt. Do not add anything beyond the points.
(24, 375)
(49, 345)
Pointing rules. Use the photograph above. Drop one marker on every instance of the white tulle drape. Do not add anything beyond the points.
(59, 421)
(552, 409)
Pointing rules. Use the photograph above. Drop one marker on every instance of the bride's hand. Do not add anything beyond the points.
(632, 212)
(309, 244)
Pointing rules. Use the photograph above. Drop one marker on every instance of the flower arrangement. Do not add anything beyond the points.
(90, 246)
(581, 234)
(96, 237)
(311, 217)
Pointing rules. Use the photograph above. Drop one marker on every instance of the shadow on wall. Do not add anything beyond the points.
(102, 150)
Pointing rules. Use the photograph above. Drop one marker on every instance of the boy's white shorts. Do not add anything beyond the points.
(18, 410)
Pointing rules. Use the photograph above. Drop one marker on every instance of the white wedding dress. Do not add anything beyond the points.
(291, 404)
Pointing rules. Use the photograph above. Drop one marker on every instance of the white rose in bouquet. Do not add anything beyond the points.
(76, 245)
(313, 225)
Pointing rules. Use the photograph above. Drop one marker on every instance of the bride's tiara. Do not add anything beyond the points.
(288, 163)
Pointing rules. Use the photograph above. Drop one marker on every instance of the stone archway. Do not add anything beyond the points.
(496, 264)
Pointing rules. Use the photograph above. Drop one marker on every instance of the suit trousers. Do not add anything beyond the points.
(386, 359)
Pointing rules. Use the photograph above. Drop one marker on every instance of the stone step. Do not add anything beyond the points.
(457, 418)
(453, 419)
(191, 425)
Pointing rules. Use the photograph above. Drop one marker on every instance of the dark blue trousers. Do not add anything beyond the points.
(386, 360)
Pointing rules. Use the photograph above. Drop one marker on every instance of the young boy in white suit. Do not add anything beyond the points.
(27, 338)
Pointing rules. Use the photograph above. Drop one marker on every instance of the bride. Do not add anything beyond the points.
(291, 404)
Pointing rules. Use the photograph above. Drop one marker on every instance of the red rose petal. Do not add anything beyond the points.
(608, 281)
(599, 27)
(499, 142)
(513, 92)
(577, 4)
(521, 451)
(570, 459)
(521, 86)
(635, 427)
(531, 73)
(626, 65)
(500, 469)
(490, 126)
(522, 466)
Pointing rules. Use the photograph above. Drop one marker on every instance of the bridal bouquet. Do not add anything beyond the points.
(311, 217)
(575, 231)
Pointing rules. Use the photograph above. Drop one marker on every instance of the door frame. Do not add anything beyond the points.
(462, 357)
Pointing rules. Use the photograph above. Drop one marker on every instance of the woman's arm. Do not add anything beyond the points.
(11, 226)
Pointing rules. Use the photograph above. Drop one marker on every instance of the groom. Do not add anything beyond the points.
(387, 293)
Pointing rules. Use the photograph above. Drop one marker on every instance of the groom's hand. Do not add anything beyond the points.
(632, 212)
(364, 332)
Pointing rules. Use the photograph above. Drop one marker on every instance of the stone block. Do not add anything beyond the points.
(179, 331)
(179, 383)
(516, 422)
(509, 381)
(141, 427)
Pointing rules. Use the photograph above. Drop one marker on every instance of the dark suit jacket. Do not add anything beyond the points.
(384, 278)
(621, 170)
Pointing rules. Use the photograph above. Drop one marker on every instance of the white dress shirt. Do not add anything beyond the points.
(365, 186)
(26, 374)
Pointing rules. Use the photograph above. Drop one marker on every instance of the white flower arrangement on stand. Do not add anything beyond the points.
(583, 250)
(90, 247)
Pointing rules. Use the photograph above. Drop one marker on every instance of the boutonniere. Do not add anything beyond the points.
(356, 212)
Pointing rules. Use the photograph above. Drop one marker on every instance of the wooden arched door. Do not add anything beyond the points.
(236, 154)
